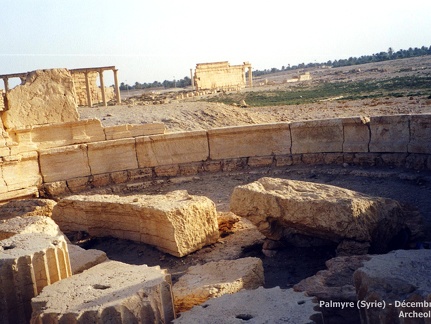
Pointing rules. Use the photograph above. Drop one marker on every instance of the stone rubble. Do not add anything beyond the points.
(282, 209)
(111, 292)
(214, 279)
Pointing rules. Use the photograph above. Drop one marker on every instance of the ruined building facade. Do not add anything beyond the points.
(221, 76)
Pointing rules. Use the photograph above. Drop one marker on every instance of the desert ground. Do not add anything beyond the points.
(290, 264)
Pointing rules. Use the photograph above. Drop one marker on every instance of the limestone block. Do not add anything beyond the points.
(110, 292)
(173, 148)
(246, 141)
(111, 156)
(261, 305)
(21, 171)
(389, 133)
(28, 263)
(283, 208)
(81, 259)
(176, 223)
(420, 134)
(48, 96)
(134, 130)
(64, 163)
(21, 193)
(23, 225)
(401, 275)
(27, 207)
(214, 279)
(59, 134)
(317, 136)
(356, 134)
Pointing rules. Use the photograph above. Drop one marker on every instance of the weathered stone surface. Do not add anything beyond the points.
(27, 207)
(280, 208)
(174, 148)
(28, 263)
(261, 305)
(111, 292)
(63, 163)
(420, 134)
(176, 223)
(241, 141)
(389, 133)
(23, 225)
(58, 134)
(29, 192)
(220, 75)
(111, 156)
(402, 275)
(317, 136)
(356, 134)
(215, 279)
(335, 285)
(48, 96)
(81, 259)
(21, 171)
(133, 130)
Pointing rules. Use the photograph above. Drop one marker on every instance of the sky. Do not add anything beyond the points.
(162, 40)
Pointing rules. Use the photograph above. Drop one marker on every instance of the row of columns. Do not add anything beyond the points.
(86, 71)
(102, 83)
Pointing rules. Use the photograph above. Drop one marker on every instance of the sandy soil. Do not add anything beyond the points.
(191, 114)
(289, 265)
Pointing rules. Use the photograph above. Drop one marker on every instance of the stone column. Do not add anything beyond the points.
(87, 87)
(192, 78)
(250, 77)
(102, 87)
(6, 84)
(117, 87)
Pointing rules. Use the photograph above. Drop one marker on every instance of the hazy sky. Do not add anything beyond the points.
(158, 40)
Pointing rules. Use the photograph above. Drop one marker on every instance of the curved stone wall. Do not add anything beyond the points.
(82, 155)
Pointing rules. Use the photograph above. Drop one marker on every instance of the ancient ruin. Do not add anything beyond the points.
(94, 174)
(221, 76)
(284, 209)
(105, 294)
(85, 90)
(176, 223)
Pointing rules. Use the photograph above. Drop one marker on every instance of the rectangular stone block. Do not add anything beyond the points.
(21, 171)
(59, 134)
(174, 148)
(420, 134)
(134, 130)
(111, 156)
(389, 133)
(21, 193)
(176, 223)
(356, 134)
(317, 136)
(247, 141)
(64, 163)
